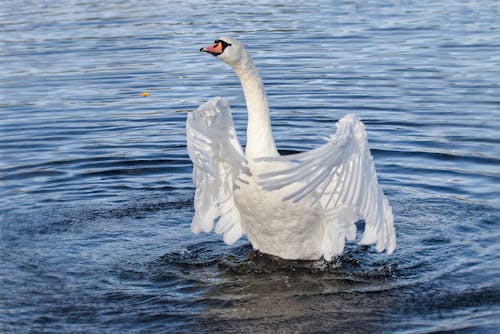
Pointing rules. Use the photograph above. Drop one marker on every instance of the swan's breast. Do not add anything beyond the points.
(282, 228)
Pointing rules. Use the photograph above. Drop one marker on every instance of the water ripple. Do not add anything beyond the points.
(95, 182)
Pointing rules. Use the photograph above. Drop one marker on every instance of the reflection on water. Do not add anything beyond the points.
(95, 182)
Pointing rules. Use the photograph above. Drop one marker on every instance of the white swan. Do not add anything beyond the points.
(300, 206)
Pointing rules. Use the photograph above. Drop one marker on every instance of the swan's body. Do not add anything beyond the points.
(301, 206)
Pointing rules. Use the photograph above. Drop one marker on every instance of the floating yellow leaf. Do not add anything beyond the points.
(144, 94)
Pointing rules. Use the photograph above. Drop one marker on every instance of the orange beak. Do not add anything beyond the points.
(214, 50)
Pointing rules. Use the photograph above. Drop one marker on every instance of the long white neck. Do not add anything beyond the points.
(260, 141)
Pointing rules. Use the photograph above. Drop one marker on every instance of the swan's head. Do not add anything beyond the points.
(227, 49)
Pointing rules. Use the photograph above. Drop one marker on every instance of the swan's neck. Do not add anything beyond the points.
(260, 141)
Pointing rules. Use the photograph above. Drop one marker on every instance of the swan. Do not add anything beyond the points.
(298, 207)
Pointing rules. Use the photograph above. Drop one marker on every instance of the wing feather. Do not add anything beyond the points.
(218, 160)
(341, 176)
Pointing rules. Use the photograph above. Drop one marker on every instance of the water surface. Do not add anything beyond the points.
(96, 190)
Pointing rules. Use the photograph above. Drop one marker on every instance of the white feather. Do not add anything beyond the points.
(355, 188)
(218, 159)
(300, 206)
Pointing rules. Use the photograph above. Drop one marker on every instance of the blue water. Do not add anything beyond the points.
(95, 183)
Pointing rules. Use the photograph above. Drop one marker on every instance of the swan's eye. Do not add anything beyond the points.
(224, 44)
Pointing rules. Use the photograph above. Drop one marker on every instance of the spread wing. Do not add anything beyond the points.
(341, 176)
(218, 159)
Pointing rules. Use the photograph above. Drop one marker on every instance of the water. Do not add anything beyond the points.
(96, 194)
